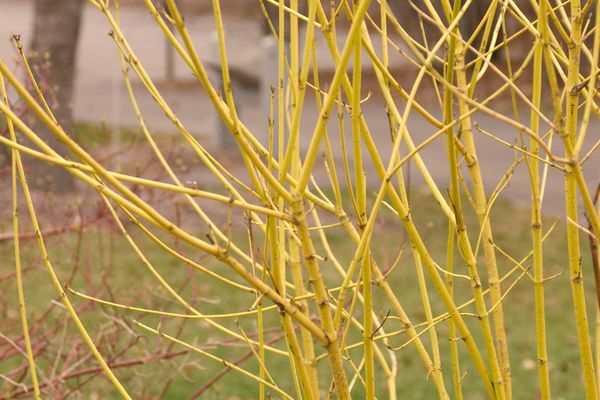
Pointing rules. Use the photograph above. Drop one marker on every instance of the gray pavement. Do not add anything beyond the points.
(100, 96)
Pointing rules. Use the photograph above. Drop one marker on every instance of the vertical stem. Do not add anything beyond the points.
(469, 258)
(261, 342)
(597, 337)
(454, 356)
(298, 86)
(456, 64)
(385, 59)
(15, 161)
(591, 87)
(307, 339)
(569, 137)
(484, 221)
(361, 211)
(322, 301)
(448, 116)
(278, 268)
(536, 211)
(368, 329)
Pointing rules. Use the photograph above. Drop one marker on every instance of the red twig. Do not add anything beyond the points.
(98, 369)
(4, 237)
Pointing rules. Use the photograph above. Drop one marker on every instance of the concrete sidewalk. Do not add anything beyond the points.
(100, 96)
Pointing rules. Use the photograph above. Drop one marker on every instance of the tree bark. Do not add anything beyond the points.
(52, 55)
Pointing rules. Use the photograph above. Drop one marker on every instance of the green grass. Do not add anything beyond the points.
(96, 134)
(106, 267)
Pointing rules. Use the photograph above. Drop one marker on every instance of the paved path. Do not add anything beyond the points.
(100, 95)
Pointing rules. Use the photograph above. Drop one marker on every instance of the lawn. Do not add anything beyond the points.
(98, 261)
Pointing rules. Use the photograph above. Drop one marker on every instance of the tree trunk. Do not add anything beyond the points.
(52, 55)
